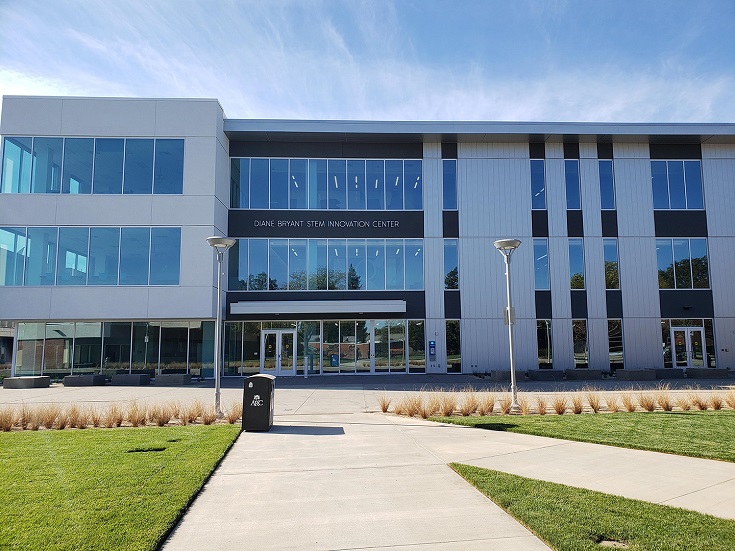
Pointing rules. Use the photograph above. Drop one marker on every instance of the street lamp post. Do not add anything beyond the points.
(220, 245)
(506, 248)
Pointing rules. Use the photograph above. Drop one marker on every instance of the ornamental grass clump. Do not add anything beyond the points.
(593, 399)
(716, 402)
(95, 417)
(647, 402)
(7, 418)
(524, 405)
(628, 402)
(136, 414)
(541, 405)
(577, 404)
(113, 416)
(506, 402)
(48, 414)
(62, 420)
(559, 404)
(191, 412)
(448, 404)
(234, 414)
(469, 403)
(384, 403)
(209, 416)
(487, 403)
(730, 399)
(663, 398)
(700, 403)
(684, 403)
(160, 414)
(24, 416)
(611, 404)
(73, 415)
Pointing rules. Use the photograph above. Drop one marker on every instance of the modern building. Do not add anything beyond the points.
(362, 247)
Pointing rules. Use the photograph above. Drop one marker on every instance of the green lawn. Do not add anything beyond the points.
(102, 488)
(571, 519)
(707, 434)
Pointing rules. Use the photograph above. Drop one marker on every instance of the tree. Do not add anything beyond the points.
(353, 280)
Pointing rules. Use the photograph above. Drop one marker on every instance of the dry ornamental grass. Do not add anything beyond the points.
(559, 404)
(683, 403)
(716, 402)
(524, 405)
(7, 418)
(577, 404)
(593, 399)
(663, 399)
(730, 399)
(384, 403)
(506, 402)
(612, 404)
(209, 416)
(647, 402)
(628, 402)
(487, 403)
(448, 404)
(541, 405)
(469, 403)
(234, 414)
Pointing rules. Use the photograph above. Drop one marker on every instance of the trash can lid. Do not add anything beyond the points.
(261, 376)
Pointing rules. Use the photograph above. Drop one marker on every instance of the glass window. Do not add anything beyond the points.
(88, 348)
(375, 176)
(278, 264)
(543, 341)
(238, 266)
(413, 188)
(607, 185)
(416, 347)
(145, 347)
(104, 251)
(394, 265)
(571, 177)
(317, 184)
(165, 256)
(174, 346)
(29, 356)
(347, 348)
(454, 349)
(615, 343)
(451, 264)
(47, 165)
(279, 184)
(298, 184)
(259, 171)
(397, 347)
(538, 185)
(309, 346)
(258, 265)
(318, 264)
(665, 263)
(576, 264)
(375, 264)
(331, 347)
(414, 264)
(239, 183)
(169, 167)
(700, 265)
(356, 185)
(336, 186)
(251, 347)
(610, 248)
(297, 264)
(682, 264)
(394, 185)
(78, 157)
(579, 335)
(57, 349)
(108, 165)
(134, 255)
(660, 183)
(356, 264)
(41, 256)
(541, 264)
(71, 268)
(693, 177)
(337, 250)
(116, 351)
(138, 166)
(677, 194)
(232, 348)
(16, 169)
(12, 255)
(382, 341)
(201, 348)
(449, 184)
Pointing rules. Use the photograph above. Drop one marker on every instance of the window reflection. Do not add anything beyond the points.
(610, 248)
(449, 184)
(571, 177)
(576, 264)
(682, 263)
(451, 264)
(538, 185)
(46, 165)
(543, 341)
(677, 184)
(541, 264)
(78, 153)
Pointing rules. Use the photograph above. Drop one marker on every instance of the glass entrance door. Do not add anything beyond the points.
(277, 352)
(689, 347)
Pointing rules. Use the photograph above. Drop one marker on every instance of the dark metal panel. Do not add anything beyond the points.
(325, 224)
(675, 150)
(614, 299)
(540, 223)
(604, 151)
(543, 305)
(450, 221)
(336, 150)
(571, 150)
(686, 303)
(680, 223)
(579, 303)
(575, 224)
(452, 305)
(449, 150)
(415, 304)
(537, 150)
(609, 223)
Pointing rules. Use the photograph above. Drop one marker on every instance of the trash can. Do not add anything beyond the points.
(257, 402)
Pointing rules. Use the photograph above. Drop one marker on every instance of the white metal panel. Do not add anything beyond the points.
(432, 190)
(101, 303)
(104, 210)
(594, 277)
(26, 116)
(642, 344)
(182, 302)
(588, 150)
(201, 166)
(561, 302)
(25, 303)
(554, 150)
(634, 197)
(638, 276)
(108, 117)
(556, 197)
(721, 260)
(718, 151)
(436, 331)
(718, 179)
(589, 176)
(187, 117)
(175, 210)
(526, 344)
(597, 343)
(198, 260)
(630, 150)
(434, 276)
(725, 341)
(28, 210)
(562, 343)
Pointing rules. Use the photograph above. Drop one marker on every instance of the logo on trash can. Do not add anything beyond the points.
(256, 401)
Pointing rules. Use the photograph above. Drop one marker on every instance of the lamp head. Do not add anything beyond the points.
(507, 245)
(220, 243)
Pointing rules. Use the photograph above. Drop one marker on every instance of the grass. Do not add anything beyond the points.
(706, 434)
(100, 488)
(576, 519)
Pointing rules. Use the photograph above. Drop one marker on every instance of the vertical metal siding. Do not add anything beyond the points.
(642, 343)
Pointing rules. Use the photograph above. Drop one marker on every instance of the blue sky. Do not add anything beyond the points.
(545, 60)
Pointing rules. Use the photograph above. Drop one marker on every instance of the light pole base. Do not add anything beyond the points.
(515, 409)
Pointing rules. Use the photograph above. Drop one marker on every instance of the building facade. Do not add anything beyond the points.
(362, 247)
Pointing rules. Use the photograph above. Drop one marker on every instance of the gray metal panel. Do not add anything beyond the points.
(721, 270)
(434, 276)
(597, 343)
(26, 116)
(25, 303)
(634, 197)
(725, 341)
(182, 302)
(559, 278)
(642, 342)
(638, 276)
(100, 303)
(108, 117)
(718, 151)
(718, 176)
(562, 343)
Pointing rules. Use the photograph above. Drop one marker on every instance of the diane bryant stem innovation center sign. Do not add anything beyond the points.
(309, 223)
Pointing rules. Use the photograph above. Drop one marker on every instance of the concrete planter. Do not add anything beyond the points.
(84, 380)
(172, 379)
(545, 375)
(635, 374)
(670, 373)
(582, 374)
(131, 379)
(703, 373)
(27, 382)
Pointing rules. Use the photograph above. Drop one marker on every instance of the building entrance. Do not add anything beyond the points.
(277, 352)
(689, 346)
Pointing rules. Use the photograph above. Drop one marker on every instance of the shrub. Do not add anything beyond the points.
(234, 414)
(647, 402)
(469, 403)
(384, 403)
(541, 405)
(487, 403)
(506, 402)
(716, 401)
(7, 418)
(559, 404)
(448, 404)
(209, 416)
(612, 404)
(628, 402)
